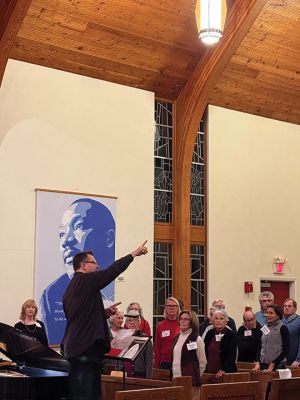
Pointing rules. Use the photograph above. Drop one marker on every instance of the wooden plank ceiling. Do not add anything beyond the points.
(149, 44)
(153, 45)
(263, 77)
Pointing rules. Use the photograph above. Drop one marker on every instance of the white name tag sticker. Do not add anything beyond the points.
(191, 346)
(248, 332)
(219, 337)
(265, 330)
(165, 333)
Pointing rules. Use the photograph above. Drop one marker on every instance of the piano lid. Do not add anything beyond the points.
(25, 349)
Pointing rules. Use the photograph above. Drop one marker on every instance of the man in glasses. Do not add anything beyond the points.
(265, 300)
(248, 338)
(86, 338)
(292, 321)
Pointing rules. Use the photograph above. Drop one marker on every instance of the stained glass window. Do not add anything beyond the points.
(197, 260)
(163, 162)
(162, 279)
(197, 215)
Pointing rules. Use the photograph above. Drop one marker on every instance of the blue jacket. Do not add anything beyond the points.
(260, 317)
(293, 324)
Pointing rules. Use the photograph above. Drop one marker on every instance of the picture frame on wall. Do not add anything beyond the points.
(66, 224)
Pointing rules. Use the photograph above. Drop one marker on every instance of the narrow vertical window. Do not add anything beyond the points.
(197, 216)
(198, 280)
(197, 220)
(162, 279)
(163, 162)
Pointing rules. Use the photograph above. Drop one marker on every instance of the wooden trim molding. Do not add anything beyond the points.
(77, 193)
(164, 233)
(198, 235)
(12, 13)
(190, 106)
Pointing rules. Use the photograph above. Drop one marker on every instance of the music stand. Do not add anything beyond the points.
(129, 352)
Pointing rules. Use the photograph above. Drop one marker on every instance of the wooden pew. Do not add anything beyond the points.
(167, 393)
(112, 384)
(161, 374)
(230, 391)
(226, 378)
(295, 372)
(264, 379)
(244, 365)
(287, 389)
(186, 383)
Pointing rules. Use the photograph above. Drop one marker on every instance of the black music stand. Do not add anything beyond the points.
(130, 352)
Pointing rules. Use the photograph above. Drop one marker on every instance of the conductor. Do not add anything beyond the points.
(86, 337)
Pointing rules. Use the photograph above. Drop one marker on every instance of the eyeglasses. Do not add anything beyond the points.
(90, 262)
(171, 305)
(185, 319)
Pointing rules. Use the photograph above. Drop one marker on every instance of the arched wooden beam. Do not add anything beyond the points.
(189, 107)
(12, 13)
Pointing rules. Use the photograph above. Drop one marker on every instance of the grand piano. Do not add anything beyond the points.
(36, 372)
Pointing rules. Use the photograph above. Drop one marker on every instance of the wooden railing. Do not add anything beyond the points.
(167, 393)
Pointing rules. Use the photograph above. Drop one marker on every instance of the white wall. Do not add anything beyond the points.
(254, 198)
(68, 132)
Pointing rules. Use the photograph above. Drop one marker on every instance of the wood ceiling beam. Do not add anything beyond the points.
(12, 13)
(189, 108)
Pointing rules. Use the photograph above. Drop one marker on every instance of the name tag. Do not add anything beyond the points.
(248, 332)
(219, 337)
(191, 346)
(165, 333)
(265, 330)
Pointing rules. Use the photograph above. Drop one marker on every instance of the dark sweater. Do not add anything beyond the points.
(84, 310)
(36, 330)
(248, 344)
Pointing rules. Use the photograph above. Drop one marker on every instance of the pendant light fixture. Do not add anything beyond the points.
(210, 16)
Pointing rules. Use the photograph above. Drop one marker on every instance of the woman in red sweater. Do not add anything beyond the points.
(165, 332)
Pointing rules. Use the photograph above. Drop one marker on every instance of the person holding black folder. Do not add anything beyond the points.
(142, 366)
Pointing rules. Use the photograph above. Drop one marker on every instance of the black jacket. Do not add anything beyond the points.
(84, 310)
(248, 345)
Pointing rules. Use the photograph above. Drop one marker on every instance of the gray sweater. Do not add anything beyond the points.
(274, 346)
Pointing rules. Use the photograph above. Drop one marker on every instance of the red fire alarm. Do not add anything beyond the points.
(248, 287)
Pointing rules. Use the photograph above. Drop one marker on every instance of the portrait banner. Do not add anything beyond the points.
(66, 224)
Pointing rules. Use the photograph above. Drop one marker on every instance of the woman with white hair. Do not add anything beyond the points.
(220, 346)
(116, 323)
